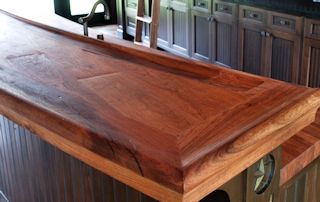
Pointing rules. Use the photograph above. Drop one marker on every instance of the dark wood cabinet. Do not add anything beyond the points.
(252, 42)
(251, 50)
(163, 30)
(179, 27)
(214, 32)
(283, 56)
(269, 43)
(224, 49)
(283, 46)
(201, 31)
(242, 37)
(173, 32)
(310, 73)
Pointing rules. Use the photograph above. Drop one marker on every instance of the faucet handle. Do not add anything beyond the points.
(84, 20)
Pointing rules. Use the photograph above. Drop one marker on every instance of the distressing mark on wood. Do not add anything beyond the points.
(136, 160)
(34, 58)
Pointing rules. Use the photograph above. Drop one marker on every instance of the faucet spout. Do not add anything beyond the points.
(84, 20)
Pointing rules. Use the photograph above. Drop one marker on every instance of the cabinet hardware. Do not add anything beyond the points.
(253, 15)
(267, 34)
(210, 18)
(223, 8)
(131, 4)
(284, 22)
(201, 4)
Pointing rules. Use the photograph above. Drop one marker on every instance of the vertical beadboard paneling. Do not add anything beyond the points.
(315, 29)
(163, 26)
(252, 51)
(33, 170)
(201, 32)
(223, 41)
(179, 29)
(304, 187)
(314, 75)
(282, 59)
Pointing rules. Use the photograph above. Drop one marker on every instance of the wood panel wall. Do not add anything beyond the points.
(305, 187)
(34, 171)
(314, 78)
(224, 46)
(282, 57)
(252, 51)
(201, 31)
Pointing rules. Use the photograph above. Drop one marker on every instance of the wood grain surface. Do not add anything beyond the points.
(172, 128)
(300, 150)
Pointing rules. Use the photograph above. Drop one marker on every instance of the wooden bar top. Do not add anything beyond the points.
(172, 128)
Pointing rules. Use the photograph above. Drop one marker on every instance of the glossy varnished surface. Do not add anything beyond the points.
(178, 123)
(300, 150)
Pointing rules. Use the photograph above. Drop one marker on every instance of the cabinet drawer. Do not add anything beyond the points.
(223, 8)
(201, 4)
(312, 28)
(252, 15)
(285, 22)
(131, 4)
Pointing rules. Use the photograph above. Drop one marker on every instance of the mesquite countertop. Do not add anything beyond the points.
(172, 128)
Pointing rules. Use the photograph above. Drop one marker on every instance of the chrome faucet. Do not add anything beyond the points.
(84, 20)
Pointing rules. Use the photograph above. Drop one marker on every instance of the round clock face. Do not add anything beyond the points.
(264, 173)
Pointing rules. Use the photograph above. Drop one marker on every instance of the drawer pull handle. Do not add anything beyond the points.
(201, 4)
(253, 15)
(284, 22)
(132, 4)
(268, 34)
(265, 34)
(210, 18)
(223, 8)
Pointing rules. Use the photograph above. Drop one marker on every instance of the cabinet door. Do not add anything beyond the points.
(201, 32)
(224, 47)
(310, 74)
(251, 50)
(164, 24)
(130, 19)
(283, 46)
(283, 53)
(179, 18)
(224, 43)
